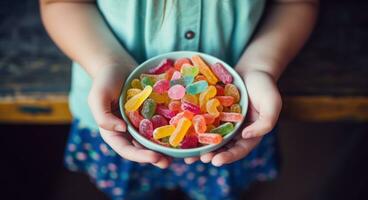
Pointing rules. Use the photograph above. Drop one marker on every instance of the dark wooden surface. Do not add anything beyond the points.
(333, 63)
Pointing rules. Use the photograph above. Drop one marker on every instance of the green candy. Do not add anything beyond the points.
(184, 81)
(148, 108)
(147, 81)
(197, 87)
(188, 70)
(223, 129)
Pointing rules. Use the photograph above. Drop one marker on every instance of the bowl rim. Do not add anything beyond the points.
(171, 149)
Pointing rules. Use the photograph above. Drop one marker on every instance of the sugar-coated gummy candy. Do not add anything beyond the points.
(193, 99)
(148, 108)
(223, 129)
(197, 87)
(200, 78)
(160, 98)
(132, 92)
(162, 67)
(163, 131)
(179, 133)
(236, 108)
(146, 128)
(210, 127)
(135, 118)
(189, 70)
(176, 75)
(154, 77)
(136, 101)
(221, 72)
(170, 73)
(205, 96)
(176, 92)
(199, 124)
(175, 106)
(147, 81)
(212, 107)
(189, 141)
(187, 114)
(161, 86)
(209, 118)
(232, 90)
(204, 69)
(136, 83)
(190, 107)
(209, 138)
(226, 100)
(184, 81)
(220, 90)
(158, 121)
(180, 62)
(231, 117)
(166, 112)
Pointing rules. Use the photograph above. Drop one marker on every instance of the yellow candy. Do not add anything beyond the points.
(204, 69)
(156, 77)
(136, 83)
(235, 108)
(193, 99)
(181, 129)
(132, 91)
(205, 96)
(212, 107)
(136, 101)
(160, 98)
(163, 131)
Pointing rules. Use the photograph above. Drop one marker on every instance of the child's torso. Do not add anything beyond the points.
(147, 28)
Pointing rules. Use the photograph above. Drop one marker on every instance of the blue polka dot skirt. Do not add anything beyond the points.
(123, 179)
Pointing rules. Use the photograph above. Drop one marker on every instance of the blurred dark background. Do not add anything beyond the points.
(323, 128)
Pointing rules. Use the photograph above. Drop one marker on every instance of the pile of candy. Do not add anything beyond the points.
(184, 104)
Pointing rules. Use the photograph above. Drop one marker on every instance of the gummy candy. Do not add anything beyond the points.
(163, 131)
(225, 100)
(235, 108)
(164, 111)
(176, 92)
(176, 75)
(212, 107)
(136, 101)
(210, 119)
(136, 83)
(180, 62)
(158, 121)
(223, 129)
(184, 81)
(147, 81)
(135, 118)
(161, 86)
(205, 96)
(187, 114)
(199, 124)
(220, 90)
(231, 117)
(146, 128)
(181, 129)
(209, 138)
(231, 90)
(148, 108)
(190, 107)
(204, 69)
(189, 141)
(162, 67)
(197, 87)
(188, 70)
(132, 92)
(159, 98)
(220, 71)
(193, 99)
(175, 106)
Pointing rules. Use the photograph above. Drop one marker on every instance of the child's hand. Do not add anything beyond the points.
(263, 112)
(103, 101)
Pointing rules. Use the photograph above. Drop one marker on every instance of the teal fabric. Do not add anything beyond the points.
(147, 28)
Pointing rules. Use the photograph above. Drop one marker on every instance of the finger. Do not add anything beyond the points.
(164, 162)
(127, 150)
(190, 160)
(206, 158)
(241, 148)
(101, 108)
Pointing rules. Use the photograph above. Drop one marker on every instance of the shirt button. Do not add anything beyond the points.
(189, 35)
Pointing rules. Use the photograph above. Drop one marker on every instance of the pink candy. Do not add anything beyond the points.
(220, 71)
(190, 107)
(161, 86)
(190, 141)
(176, 92)
(162, 67)
(164, 111)
(146, 128)
(176, 75)
(158, 121)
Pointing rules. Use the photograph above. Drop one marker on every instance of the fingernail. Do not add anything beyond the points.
(247, 134)
(120, 128)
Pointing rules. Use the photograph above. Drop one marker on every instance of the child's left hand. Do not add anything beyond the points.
(263, 111)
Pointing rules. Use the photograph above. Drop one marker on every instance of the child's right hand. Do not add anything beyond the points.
(103, 101)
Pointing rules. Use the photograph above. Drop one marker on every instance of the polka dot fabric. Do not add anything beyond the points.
(123, 179)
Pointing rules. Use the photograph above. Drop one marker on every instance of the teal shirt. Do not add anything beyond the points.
(147, 28)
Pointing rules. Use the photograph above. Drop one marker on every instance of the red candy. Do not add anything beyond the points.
(164, 111)
(220, 90)
(231, 117)
(190, 141)
(161, 86)
(199, 124)
(146, 128)
(226, 100)
(158, 121)
(180, 62)
(190, 107)
(175, 106)
(209, 138)
(162, 67)
(187, 114)
(221, 73)
(135, 118)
